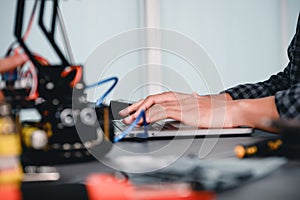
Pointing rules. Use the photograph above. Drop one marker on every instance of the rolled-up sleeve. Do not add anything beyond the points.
(259, 90)
(275, 83)
(285, 85)
(288, 102)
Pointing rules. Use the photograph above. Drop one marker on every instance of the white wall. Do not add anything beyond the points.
(246, 40)
(89, 23)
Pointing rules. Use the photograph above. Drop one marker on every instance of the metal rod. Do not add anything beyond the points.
(65, 36)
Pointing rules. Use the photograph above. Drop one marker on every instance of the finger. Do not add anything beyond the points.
(12, 62)
(154, 113)
(148, 103)
(130, 109)
(170, 109)
(138, 106)
(185, 110)
(157, 112)
(129, 119)
(155, 99)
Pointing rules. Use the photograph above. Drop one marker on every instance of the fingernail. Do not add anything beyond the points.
(147, 119)
(127, 119)
(123, 112)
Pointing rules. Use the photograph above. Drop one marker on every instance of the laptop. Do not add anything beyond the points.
(167, 128)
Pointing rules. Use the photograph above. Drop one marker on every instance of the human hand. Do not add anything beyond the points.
(10, 63)
(191, 109)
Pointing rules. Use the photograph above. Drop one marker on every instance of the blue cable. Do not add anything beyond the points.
(128, 130)
(100, 100)
(134, 123)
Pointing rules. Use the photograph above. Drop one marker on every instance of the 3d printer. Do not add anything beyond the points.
(57, 92)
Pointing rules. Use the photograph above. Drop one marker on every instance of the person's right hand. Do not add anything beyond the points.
(191, 109)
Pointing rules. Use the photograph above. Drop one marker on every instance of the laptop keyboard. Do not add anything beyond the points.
(157, 126)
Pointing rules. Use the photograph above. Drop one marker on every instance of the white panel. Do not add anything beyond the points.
(153, 57)
(243, 38)
(246, 40)
(89, 23)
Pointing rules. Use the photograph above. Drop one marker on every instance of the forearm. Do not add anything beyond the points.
(253, 112)
(226, 96)
(223, 96)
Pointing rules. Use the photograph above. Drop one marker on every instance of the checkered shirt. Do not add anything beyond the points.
(285, 85)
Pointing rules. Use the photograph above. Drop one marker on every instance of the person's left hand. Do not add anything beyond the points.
(10, 63)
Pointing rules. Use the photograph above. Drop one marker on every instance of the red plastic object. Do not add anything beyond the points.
(104, 186)
(10, 192)
(77, 77)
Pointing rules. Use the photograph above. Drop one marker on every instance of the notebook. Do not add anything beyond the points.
(168, 128)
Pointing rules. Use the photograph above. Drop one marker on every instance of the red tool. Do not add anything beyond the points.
(104, 186)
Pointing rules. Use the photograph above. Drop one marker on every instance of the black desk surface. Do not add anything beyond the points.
(281, 184)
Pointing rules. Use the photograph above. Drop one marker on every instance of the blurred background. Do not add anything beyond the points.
(245, 40)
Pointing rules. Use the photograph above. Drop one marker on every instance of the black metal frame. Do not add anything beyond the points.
(49, 34)
(67, 98)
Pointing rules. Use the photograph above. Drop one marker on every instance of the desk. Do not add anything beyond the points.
(281, 184)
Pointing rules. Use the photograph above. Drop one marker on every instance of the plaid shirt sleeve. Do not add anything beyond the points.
(285, 85)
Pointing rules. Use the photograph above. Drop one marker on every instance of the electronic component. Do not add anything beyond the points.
(10, 149)
(269, 147)
(57, 92)
(34, 137)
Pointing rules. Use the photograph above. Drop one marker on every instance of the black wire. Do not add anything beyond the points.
(31, 16)
(11, 46)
